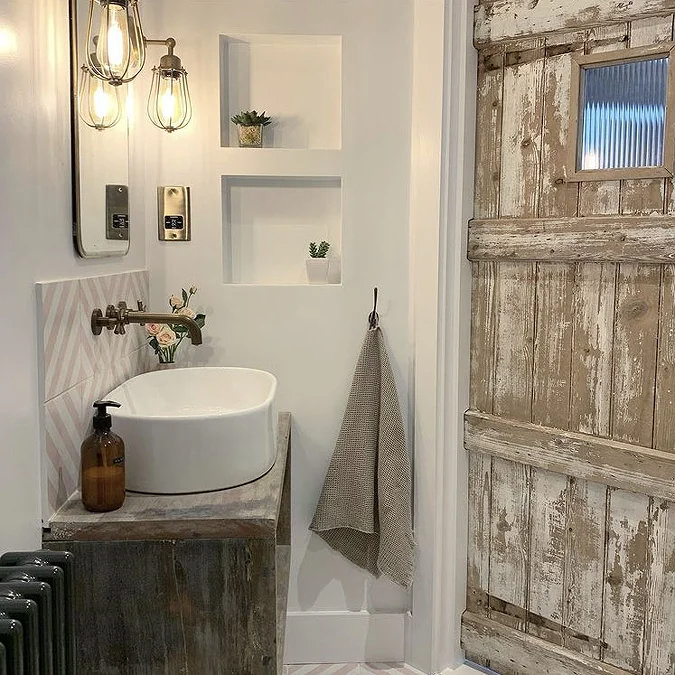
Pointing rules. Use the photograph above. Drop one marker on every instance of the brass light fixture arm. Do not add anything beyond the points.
(169, 43)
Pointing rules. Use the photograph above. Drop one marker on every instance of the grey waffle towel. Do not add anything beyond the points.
(364, 511)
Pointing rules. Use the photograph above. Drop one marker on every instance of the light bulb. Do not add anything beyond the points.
(99, 102)
(119, 53)
(169, 105)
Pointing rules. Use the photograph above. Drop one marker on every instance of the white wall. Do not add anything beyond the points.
(36, 237)
(308, 336)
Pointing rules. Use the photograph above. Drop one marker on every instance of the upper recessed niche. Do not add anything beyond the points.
(297, 79)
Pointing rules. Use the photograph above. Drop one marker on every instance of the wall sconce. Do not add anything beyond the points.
(169, 105)
(120, 56)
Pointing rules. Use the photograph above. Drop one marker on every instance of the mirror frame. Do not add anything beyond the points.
(75, 145)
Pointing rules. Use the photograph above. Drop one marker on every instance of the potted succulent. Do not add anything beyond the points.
(250, 128)
(317, 264)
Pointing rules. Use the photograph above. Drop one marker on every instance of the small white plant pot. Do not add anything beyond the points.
(317, 270)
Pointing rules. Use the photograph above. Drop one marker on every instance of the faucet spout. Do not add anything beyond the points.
(116, 318)
(194, 331)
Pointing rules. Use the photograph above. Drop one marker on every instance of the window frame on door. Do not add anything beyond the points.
(582, 61)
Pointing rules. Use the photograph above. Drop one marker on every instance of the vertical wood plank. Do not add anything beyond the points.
(584, 566)
(625, 579)
(602, 197)
(558, 197)
(514, 308)
(478, 569)
(592, 348)
(664, 409)
(553, 344)
(548, 539)
(660, 621)
(642, 197)
(509, 561)
(490, 86)
(510, 539)
(521, 132)
(635, 344)
(591, 392)
(482, 335)
(550, 406)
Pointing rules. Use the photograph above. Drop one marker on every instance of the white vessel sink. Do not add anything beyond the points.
(195, 429)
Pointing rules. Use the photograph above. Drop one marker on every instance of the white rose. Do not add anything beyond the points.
(176, 302)
(154, 328)
(186, 311)
(166, 337)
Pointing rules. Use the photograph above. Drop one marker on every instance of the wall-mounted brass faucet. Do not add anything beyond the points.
(116, 318)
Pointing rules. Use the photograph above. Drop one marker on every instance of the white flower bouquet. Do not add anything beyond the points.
(165, 338)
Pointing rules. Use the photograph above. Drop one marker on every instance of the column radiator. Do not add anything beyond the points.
(36, 613)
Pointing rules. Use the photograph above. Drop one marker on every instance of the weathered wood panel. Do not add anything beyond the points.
(584, 566)
(573, 345)
(598, 239)
(625, 597)
(510, 535)
(514, 311)
(558, 197)
(664, 412)
(550, 407)
(490, 86)
(513, 652)
(479, 548)
(635, 335)
(514, 343)
(175, 607)
(548, 539)
(603, 197)
(660, 620)
(483, 321)
(553, 345)
(592, 345)
(642, 197)
(601, 460)
(521, 134)
(506, 19)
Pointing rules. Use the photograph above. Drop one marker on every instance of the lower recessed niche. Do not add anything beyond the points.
(268, 223)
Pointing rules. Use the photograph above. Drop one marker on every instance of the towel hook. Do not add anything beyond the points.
(374, 317)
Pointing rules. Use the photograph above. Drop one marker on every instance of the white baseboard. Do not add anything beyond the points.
(344, 637)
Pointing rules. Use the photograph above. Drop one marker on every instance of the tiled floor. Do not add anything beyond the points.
(351, 669)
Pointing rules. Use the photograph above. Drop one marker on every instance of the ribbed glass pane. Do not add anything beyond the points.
(623, 112)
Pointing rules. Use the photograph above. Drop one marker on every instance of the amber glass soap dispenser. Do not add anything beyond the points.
(102, 464)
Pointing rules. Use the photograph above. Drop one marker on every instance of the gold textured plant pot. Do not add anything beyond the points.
(250, 136)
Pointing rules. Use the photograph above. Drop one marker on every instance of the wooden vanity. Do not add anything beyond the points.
(194, 584)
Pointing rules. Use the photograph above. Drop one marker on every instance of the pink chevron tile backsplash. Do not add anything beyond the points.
(77, 368)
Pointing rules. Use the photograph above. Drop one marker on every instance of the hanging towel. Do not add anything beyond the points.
(364, 511)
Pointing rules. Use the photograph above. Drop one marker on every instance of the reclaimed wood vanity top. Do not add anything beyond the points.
(248, 511)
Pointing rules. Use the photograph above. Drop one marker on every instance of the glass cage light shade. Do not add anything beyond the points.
(119, 42)
(169, 105)
(99, 101)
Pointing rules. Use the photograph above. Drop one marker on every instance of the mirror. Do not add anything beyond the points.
(100, 156)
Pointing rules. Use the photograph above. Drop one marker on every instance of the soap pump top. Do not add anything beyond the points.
(102, 463)
(102, 419)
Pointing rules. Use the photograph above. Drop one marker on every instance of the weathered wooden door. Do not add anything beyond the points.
(571, 431)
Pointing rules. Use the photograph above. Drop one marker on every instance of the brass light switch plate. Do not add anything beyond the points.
(173, 211)
(117, 212)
